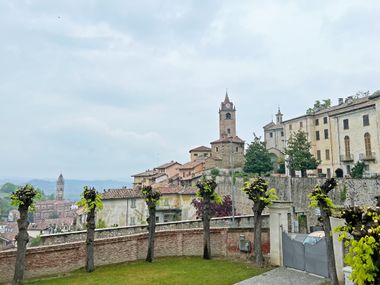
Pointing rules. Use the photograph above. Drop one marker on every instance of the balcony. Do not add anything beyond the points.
(346, 158)
(371, 156)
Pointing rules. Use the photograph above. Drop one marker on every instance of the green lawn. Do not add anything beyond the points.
(173, 270)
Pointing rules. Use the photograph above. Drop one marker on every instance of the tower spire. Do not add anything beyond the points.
(226, 98)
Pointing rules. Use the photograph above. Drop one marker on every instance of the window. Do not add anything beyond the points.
(195, 154)
(367, 144)
(290, 126)
(237, 149)
(345, 124)
(317, 122)
(217, 149)
(365, 120)
(229, 131)
(271, 135)
(317, 137)
(301, 124)
(228, 116)
(132, 221)
(133, 203)
(325, 120)
(347, 150)
(318, 154)
(327, 154)
(348, 168)
(326, 131)
(282, 133)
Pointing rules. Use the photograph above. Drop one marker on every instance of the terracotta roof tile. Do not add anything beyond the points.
(227, 140)
(122, 193)
(166, 165)
(191, 164)
(201, 148)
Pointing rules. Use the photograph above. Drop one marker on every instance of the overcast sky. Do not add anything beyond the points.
(107, 89)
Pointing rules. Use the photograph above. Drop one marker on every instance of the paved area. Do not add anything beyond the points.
(284, 276)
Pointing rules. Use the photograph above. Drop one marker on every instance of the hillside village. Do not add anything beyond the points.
(350, 136)
(340, 135)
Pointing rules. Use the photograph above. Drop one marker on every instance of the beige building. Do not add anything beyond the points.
(201, 152)
(126, 207)
(340, 135)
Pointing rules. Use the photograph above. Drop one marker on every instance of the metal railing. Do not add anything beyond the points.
(367, 156)
(346, 158)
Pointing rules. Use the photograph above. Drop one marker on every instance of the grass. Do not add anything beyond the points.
(169, 270)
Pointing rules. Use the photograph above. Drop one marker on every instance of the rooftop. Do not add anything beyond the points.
(201, 148)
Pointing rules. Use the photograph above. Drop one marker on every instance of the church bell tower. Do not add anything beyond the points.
(227, 119)
(60, 188)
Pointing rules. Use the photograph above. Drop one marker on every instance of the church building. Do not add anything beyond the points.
(227, 151)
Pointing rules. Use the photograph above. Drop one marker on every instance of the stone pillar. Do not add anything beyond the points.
(338, 249)
(278, 222)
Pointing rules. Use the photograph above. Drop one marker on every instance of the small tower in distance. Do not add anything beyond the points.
(279, 117)
(227, 119)
(60, 188)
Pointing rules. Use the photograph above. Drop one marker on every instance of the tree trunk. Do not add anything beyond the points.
(206, 229)
(330, 248)
(22, 239)
(90, 240)
(152, 229)
(303, 173)
(257, 222)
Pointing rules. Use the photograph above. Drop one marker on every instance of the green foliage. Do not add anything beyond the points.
(358, 170)
(319, 106)
(101, 224)
(343, 194)
(298, 153)
(206, 188)
(8, 188)
(151, 196)
(361, 234)
(319, 197)
(90, 199)
(36, 241)
(215, 171)
(257, 191)
(257, 158)
(25, 196)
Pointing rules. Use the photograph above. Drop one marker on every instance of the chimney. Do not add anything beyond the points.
(340, 101)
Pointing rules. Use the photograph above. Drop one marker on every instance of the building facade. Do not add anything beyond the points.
(339, 135)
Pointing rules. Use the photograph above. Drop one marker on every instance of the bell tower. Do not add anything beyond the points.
(227, 119)
(60, 188)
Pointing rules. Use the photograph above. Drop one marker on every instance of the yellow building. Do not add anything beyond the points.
(340, 135)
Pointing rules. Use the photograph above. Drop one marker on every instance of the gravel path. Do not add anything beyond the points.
(284, 276)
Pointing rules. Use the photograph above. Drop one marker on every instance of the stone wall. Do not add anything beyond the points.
(240, 222)
(360, 192)
(63, 258)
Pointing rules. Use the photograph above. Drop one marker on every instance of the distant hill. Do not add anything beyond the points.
(73, 188)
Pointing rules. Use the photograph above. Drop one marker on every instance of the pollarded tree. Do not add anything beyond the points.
(151, 197)
(298, 154)
(91, 201)
(23, 198)
(319, 199)
(361, 234)
(257, 158)
(208, 195)
(257, 191)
